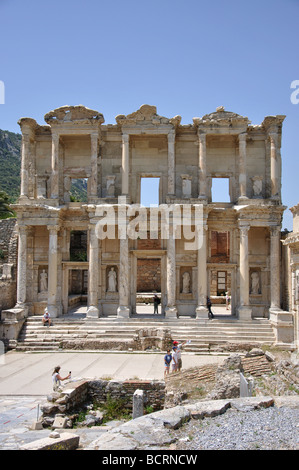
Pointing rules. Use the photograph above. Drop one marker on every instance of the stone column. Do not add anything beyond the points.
(22, 266)
(93, 274)
(171, 310)
(28, 127)
(242, 165)
(202, 174)
(124, 279)
(55, 167)
(52, 270)
(171, 163)
(244, 308)
(125, 165)
(275, 267)
(274, 164)
(201, 310)
(25, 164)
(94, 166)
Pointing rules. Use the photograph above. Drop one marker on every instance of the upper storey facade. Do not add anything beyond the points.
(75, 143)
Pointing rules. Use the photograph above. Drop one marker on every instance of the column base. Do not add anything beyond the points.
(244, 313)
(202, 312)
(92, 312)
(22, 307)
(123, 312)
(171, 312)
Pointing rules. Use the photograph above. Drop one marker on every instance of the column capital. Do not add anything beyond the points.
(274, 230)
(23, 229)
(55, 136)
(242, 137)
(55, 228)
(171, 136)
(201, 133)
(125, 137)
(244, 228)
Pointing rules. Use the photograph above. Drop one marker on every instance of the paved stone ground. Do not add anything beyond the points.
(25, 381)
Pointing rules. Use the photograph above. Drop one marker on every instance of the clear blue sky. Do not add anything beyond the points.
(186, 58)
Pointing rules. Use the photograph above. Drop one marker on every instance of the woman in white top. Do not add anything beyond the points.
(174, 361)
(56, 377)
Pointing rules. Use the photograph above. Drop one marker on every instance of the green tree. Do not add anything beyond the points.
(5, 210)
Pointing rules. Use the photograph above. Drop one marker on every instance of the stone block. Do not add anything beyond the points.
(65, 441)
(60, 422)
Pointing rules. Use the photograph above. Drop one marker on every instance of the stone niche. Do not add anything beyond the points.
(255, 285)
(111, 281)
(185, 282)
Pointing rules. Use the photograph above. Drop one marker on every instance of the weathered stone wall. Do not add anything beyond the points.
(148, 275)
(8, 241)
(8, 263)
(75, 395)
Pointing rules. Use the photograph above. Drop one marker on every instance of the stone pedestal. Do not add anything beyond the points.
(171, 312)
(283, 326)
(123, 312)
(138, 399)
(202, 312)
(245, 313)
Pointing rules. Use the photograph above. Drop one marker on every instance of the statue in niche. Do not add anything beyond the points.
(255, 283)
(111, 280)
(110, 181)
(186, 283)
(257, 185)
(43, 281)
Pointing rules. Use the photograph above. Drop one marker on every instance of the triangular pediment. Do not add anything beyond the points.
(146, 114)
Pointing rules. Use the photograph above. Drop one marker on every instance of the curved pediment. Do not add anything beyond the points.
(77, 113)
(221, 117)
(146, 114)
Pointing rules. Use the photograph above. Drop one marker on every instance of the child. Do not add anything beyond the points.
(167, 361)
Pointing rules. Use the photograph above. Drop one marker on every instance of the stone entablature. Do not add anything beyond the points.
(114, 158)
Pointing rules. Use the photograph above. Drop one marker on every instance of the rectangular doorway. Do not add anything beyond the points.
(148, 283)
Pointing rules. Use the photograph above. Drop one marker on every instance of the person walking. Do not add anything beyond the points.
(156, 303)
(209, 305)
(167, 362)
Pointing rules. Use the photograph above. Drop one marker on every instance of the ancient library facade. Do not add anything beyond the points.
(107, 249)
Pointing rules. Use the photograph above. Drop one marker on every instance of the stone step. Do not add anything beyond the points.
(204, 334)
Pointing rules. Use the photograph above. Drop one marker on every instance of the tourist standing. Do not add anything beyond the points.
(227, 299)
(174, 361)
(156, 303)
(56, 378)
(179, 353)
(167, 362)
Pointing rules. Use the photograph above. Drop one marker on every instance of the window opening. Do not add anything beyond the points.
(78, 190)
(220, 190)
(149, 191)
